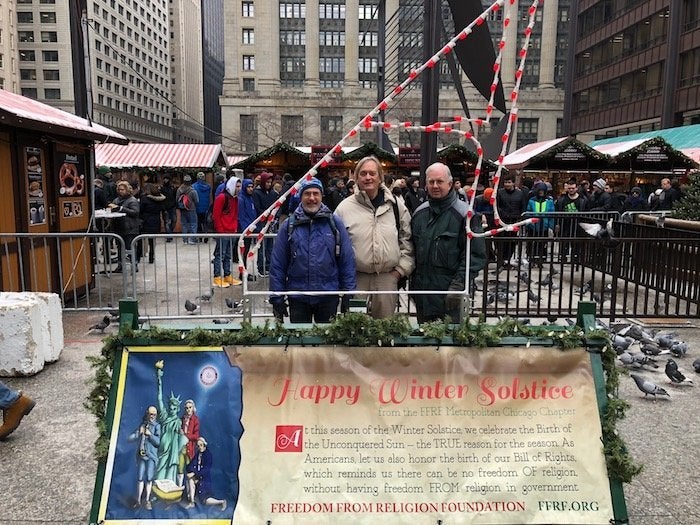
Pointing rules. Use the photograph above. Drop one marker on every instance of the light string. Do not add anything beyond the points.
(450, 127)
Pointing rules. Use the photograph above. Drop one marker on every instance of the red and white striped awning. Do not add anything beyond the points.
(520, 157)
(235, 159)
(146, 155)
(27, 113)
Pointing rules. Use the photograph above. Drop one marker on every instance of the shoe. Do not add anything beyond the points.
(12, 415)
(219, 282)
(169, 239)
(148, 505)
(230, 279)
(190, 505)
(150, 261)
(223, 505)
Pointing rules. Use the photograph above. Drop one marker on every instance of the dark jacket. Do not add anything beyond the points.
(263, 199)
(600, 202)
(131, 223)
(305, 258)
(168, 190)
(151, 206)
(511, 205)
(414, 198)
(440, 241)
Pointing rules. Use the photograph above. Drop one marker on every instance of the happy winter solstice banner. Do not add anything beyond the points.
(353, 435)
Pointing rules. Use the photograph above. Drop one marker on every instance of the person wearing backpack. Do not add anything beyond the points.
(187, 199)
(204, 203)
(379, 225)
(312, 252)
(225, 221)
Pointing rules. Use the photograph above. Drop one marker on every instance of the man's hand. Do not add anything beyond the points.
(279, 310)
(454, 301)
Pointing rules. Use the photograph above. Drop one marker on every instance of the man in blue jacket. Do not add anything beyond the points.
(203, 190)
(312, 252)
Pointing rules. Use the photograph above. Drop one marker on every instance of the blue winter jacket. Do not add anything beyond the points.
(305, 258)
(541, 206)
(246, 206)
(204, 191)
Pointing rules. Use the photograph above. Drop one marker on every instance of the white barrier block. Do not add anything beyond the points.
(31, 332)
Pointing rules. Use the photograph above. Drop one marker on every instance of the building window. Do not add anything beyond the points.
(52, 94)
(331, 38)
(293, 38)
(331, 11)
(248, 62)
(369, 39)
(248, 36)
(293, 10)
(331, 65)
(248, 84)
(49, 56)
(367, 65)
(47, 17)
(293, 129)
(24, 17)
(27, 74)
(28, 55)
(47, 1)
(368, 12)
(25, 36)
(49, 36)
(527, 131)
(248, 9)
(331, 129)
(29, 92)
(249, 133)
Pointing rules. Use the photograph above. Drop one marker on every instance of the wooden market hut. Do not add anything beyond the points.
(557, 160)
(278, 159)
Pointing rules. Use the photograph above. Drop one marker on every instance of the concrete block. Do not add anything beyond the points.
(31, 332)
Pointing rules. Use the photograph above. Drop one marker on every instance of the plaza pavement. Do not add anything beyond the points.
(47, 470)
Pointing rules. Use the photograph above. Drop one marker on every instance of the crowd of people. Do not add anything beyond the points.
(370, 232)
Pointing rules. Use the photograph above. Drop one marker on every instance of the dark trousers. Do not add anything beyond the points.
(321, 311)
(170, 219)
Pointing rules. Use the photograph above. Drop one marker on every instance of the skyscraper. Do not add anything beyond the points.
(213, 66)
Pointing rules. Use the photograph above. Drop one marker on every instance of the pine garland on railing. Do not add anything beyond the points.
(358, 329)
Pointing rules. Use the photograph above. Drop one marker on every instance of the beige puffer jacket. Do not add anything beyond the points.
(378, 247)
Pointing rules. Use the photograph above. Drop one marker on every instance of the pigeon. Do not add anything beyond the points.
(648, 387)
(626, 359)
(523, 276)
(660, 221)
(679, 348)
(230, 303)
(101, 325)
(114, 313)
(641, 360)
(665, 340)
(696, 365)
(222, 321)
(637, 333)
(207, 296)
(674, 374)
(598, 230)
(532, 296)
(652, 349)
(621, 342)
(190, 306)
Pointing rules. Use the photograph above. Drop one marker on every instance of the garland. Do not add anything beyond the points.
(359, 329)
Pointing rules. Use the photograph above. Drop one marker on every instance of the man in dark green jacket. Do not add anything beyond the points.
(440, 241)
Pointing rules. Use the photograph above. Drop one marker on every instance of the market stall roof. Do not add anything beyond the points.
(26, 113)
(682, 137)
(563, 153)
(651, 154)
(290, 155)
(149, 155)
(369, 148)
(459, 153)
(235, 159)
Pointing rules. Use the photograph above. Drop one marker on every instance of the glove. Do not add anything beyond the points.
(550, 233)
(279, 310)
(454, 301)
(345, 303)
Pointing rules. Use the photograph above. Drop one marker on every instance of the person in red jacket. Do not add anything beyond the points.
(225, 221)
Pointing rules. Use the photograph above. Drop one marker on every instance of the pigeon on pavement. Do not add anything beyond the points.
(696, 365)
(648, 387)
(674, 374)
(190, 306)
(207, 296)
(679, 348)
(101, 325)
(230, 303)
(604, 233)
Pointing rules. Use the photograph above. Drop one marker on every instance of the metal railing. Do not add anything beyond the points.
(646, 272)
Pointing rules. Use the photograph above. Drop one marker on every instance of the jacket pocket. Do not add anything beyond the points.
(445, 252)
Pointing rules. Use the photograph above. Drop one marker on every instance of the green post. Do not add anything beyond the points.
(129, 313)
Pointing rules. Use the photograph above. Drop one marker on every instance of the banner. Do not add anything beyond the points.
(353, 435)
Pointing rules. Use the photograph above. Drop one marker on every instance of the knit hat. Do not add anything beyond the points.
(201, 175)
(636, 190)
(312, 183)
(103, 170)
(599, 183)
(187, 178)
(540, 186)
(487, 194)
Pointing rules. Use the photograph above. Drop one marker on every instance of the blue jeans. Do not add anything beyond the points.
(188, 219)
(7, 396)
(222, 256)
(170, 219)
(319, 311)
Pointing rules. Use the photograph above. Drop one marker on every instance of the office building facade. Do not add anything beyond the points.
(306, 71)
(636, 67)
(213, 67)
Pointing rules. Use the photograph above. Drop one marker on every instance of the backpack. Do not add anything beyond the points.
(291, 222)
(183, 201)
(401, 283)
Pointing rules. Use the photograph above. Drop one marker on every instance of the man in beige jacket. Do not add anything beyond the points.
(383, 253)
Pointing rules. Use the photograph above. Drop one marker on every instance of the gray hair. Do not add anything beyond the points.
(439, 166)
